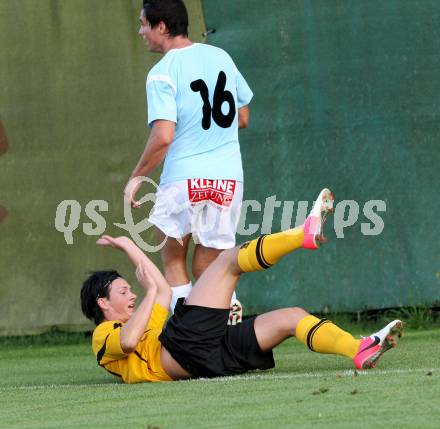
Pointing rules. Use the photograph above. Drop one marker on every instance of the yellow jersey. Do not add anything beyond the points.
(141, 365)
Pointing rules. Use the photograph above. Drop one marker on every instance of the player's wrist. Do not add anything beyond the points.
(150, 290)
(125, 244)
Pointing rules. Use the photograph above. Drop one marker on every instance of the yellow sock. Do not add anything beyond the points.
(267, 250)
(322, 336)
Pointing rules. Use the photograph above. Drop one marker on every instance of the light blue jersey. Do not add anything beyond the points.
(200, 89)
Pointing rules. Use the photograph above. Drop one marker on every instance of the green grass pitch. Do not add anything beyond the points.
(60, 386)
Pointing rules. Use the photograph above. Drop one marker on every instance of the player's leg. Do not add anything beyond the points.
(216, 285)
(171, 216)
(173, 256)
(323, 336)
(214, 228)
(267, 250)
(274, 327)
(320, 335)
(202, 258)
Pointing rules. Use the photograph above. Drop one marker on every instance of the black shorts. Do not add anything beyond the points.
(200, 340)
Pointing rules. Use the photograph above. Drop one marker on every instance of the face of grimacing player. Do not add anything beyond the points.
(152, 36)
(120, 305)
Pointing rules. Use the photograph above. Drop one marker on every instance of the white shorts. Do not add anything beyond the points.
(207, 209)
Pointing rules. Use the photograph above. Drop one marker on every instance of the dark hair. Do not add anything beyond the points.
(96, 286)
(172, 12)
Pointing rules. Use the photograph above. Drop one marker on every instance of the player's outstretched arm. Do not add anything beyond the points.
(138, 258)
(134, 328)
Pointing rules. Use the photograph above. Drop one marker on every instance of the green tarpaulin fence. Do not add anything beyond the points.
(346, 96)
(72, 104)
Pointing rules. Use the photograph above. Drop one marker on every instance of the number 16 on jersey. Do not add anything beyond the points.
(220, 96)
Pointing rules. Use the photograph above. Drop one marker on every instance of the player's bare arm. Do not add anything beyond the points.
(161, 136)
(139, 259)
(243, 117)
(153, 283)
(134, 328)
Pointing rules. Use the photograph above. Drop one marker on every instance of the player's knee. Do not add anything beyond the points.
(230, 260)
(226, 258)
(296, 314)
(298, 311)
(287, 319)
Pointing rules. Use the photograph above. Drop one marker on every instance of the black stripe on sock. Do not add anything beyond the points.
(261, 252)
(312, 333)
(260, 258)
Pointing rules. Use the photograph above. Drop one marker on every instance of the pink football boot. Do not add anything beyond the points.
(313, 227)
(374, 346)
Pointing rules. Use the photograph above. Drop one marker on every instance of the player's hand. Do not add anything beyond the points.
(131, 190)
(119, 243)
(145, 279)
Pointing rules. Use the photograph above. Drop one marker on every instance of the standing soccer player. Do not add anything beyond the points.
(197, 101)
